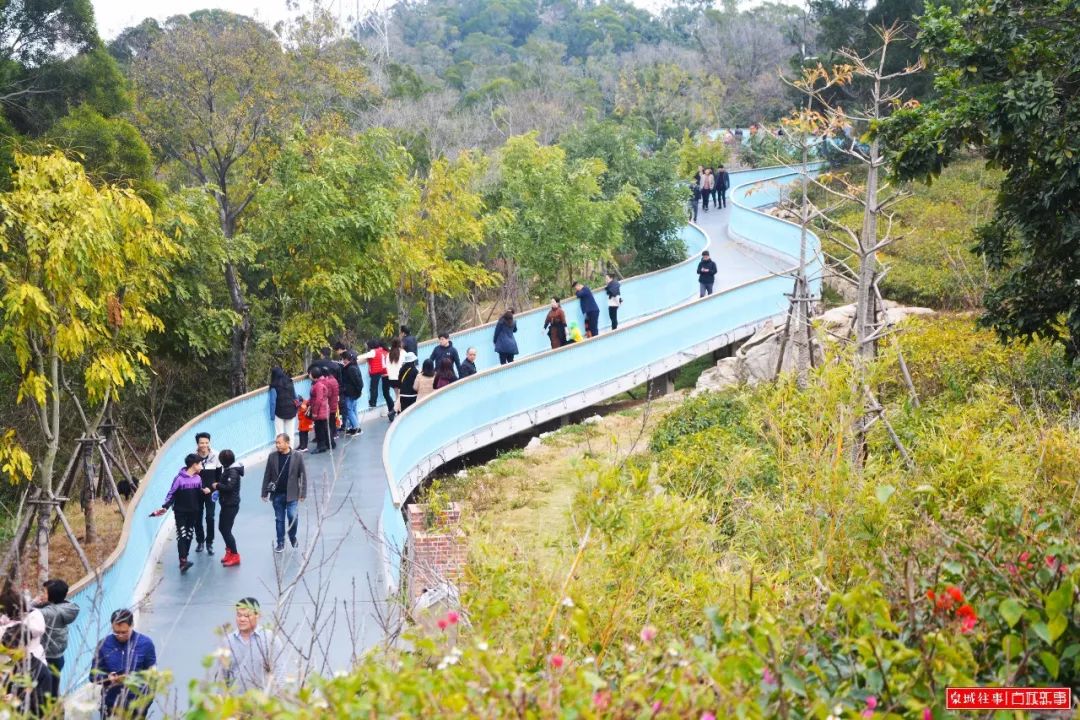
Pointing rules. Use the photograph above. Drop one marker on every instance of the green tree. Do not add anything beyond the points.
(560, 223)
(651, 240)
(211, 93)
(447, 219)
(668, 98)
(79, 265)
(33, 33)
(1009, 84)
(331, 202)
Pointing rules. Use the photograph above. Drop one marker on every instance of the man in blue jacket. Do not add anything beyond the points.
(589, 309)
(119, 664)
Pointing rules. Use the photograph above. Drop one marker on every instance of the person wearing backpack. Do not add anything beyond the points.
(505, 343)
(614, 299)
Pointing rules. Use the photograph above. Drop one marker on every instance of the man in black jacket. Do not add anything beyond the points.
(352, 387)
(210, 472)
(408, 340)
(723, 182)
(469, 366)
(706, 273)
(445, 348)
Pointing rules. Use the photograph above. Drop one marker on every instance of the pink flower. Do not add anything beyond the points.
(1012, 569)
(557, 661)
(452, 617)
(871, 703)
(927, 714)
(868, 713)
(968, 624)
(648, 633)
(1050, 560)
(601, 699)
(656, 706)
(707, 716)
(443, 624)
(1024, 556)
(767, 677)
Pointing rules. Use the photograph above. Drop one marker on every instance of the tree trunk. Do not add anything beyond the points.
(44, 511)
(802, 288)
(431, 314)
(866, 307)
(89, 493)
(241, 333)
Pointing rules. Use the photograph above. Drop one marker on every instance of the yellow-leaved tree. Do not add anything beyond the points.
(79, 265)
(429, 253)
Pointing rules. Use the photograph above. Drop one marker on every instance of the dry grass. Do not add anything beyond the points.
(63, 561)
(524, 502)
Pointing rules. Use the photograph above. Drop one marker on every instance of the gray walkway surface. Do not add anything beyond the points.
(329, 583)
(332, 583)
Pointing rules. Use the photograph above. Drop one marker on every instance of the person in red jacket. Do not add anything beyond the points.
(377, 358)
(320, 410)
(333, 399)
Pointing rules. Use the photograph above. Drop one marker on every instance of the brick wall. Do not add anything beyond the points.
(435, 554)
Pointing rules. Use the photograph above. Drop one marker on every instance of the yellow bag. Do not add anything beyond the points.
(575, 333)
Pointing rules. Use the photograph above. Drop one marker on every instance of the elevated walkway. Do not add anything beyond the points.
(329, 596)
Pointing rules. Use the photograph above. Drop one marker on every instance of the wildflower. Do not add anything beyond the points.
(1012, 569)
(927, 714)
(482, 646)
(568, 602)
(647, 634)
(452, 617)
(656, 706)
(1024, 556)
(930, 595)
(767, 677)
(955, 593)
(966, 611)
(601, 699)
(443, 623)
(871, 703)
(707, 716)
(968, 624)
(557, 661)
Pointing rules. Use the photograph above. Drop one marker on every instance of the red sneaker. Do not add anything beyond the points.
(233, 559)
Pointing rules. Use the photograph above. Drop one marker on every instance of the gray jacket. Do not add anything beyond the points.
(297, 479)
(57, 618)
(254, 664)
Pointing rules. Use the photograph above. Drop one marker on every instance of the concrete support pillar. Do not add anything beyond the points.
(662, 385)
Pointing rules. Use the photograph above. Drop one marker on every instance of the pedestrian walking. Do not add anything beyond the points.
(228, 490)
(723, 182)
(445, 349)
(283, 404)
(376, 360)
(185, 499)
(306, 424)
(706, 272)
(614, 299)
(692, 201)
(254, 658)
(408, 340)
(393, 368)
(120, 664)
(352, 388)
(320, 410)
(22, 627)
(407, 380)
(707, 181)
(505, 342)
(284, 485)
(589, 309)
(211, 468)
(444, 374)
(555, 324)
(468, 365)
(58, 612)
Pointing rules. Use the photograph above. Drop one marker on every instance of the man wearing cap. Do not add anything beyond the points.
(254, 659)
(706, 274)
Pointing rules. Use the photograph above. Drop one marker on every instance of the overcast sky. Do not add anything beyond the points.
(115, 15)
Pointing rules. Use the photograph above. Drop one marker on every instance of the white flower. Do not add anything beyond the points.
(630, 648)
(482, 646)
(589, 660)
(673, 652)
(568, 602)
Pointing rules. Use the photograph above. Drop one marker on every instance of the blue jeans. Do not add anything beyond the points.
(281, 508)
(352, 419)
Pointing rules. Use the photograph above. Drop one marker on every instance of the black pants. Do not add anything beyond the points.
(205, 534)
(186, 524)
(693, 210)
(331, 424)
(373, 394)
(721, 197)
(613, 315)
(55, 666)
(225, 522)
(303, 439)
(322, 435)
(505, 358)
(592, 319)
(705, 198)
(407, 400)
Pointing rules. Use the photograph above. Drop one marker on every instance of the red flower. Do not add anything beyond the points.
(1024, 556)
(967, 624)
(452, 617)
(966, 611)
(955, 594)
(1050, 560)
(443, 624)
(557, 661)
(1012, 569)
(930, 595)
